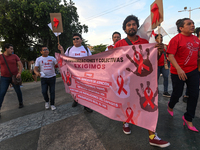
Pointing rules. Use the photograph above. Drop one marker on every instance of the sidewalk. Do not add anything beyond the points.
(67, 128)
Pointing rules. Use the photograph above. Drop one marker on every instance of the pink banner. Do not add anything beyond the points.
(120, 83)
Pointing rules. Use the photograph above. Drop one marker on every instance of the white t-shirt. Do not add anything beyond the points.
(78, 52)
(47, 65)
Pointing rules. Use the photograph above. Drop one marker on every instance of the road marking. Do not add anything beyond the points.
(34, 121)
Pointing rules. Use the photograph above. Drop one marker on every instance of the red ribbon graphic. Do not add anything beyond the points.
(68, 76)
(56, 22)
(153, 33)
(156, 15)
(60, 62)
(63, 78)
(130, 116)
(140, 62)
(148, 98)
(121, 85)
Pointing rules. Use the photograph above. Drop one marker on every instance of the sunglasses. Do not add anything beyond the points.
(76, 38)
(45, 49)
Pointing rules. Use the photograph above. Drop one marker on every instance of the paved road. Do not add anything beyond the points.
(67, 128)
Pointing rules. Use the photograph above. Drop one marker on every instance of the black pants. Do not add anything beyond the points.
(193, 92)
(45, 83)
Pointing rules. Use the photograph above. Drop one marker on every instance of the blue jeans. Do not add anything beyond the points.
(165, 73)
(192, 83)
(45, 83)
(4, 84)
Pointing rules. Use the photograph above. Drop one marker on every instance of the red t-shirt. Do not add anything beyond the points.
(12, 63)
(161, 59)
(185, 50)
(124, 43)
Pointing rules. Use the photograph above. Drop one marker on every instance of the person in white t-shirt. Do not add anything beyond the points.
(78, 50)
(116, 36)
(46, 64)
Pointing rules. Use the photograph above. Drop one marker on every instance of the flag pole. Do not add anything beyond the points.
(58, 38)
(159, 32)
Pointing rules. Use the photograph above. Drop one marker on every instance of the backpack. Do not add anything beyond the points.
(128, 41)
(84, 47)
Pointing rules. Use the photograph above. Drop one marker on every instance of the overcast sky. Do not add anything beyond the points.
(106, 16)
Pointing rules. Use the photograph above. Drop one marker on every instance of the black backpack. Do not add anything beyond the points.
(84, 47)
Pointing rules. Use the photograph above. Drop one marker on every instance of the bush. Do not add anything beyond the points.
(26, 76)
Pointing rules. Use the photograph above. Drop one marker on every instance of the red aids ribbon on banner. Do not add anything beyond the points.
(68, 76)
(140, 62)
(121, 85)
(155, 11)
(129, 115)
(56, 22)
(148, 98)
(63, 78)
(60, 62)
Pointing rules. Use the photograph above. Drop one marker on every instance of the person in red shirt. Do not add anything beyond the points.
(183, 52)
(130, 26)
(116, 36)
(163, 65)
(15, 67)
(185, 97)
(198, 32)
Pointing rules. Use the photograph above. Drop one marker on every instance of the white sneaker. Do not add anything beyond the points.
(47, 105)
(53, 107)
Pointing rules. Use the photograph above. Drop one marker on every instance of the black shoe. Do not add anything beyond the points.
(166, 94)
(88, 109)
(21, 105)
(74, 104)
(185, 99)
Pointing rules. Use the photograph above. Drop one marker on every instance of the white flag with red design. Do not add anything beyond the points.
(147, 33)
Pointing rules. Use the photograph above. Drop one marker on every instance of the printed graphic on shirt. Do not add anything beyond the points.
(46, 65)
(191, 48)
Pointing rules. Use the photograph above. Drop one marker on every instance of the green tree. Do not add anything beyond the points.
(99, 48)
(24, 23)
